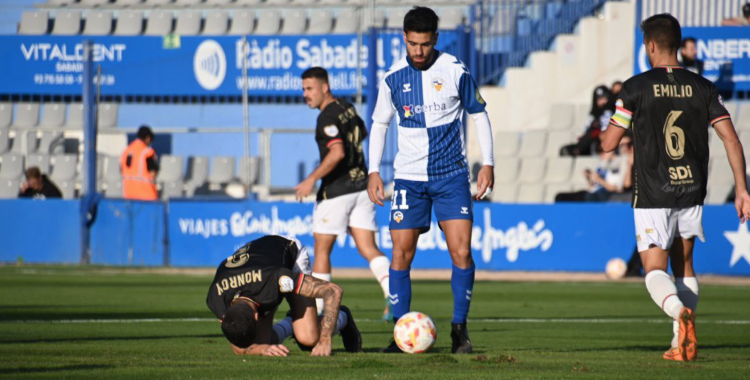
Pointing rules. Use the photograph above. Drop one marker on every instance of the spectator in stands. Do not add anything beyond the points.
(38, 186)
(601, 111)
(688, 56)
(616, 87)
(625, 151)
(139, 166)
(739, 21)
(606, 180)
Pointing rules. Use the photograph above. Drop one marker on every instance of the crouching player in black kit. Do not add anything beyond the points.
(249, 286)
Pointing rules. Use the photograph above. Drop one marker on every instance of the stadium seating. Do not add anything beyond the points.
(188, 23)
(268, 22)
(107, 115)
(451, 18)
(532, 170)
(75, 116)
(558, 170)
(217, 23)
(321, 22)
(129, 23)
(396, 18)
(67, 23)
(506, 144)
(34, 22)
(92, 3)
(172, 190)
(505, 193)
(222, 170)
(242, 23)
(42, 161)
(26, 115)
(249, 170)
(64, 167)
(170, 169)
(533, 144)
(530, 193)
(6, 114)
(197, 174)
(159, 23)
(556, 140)
(581, 164)
(562, 116)
(113, 189)
(346, 22)
(553, 189)
(53, 115)
(4, 141)
(506, 170)
(12, 166)
(67, 188)
(9, 188)
(50, 143)
(295, 22)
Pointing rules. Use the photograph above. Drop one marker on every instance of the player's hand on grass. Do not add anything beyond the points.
(304, 189)
(375, 189)
(742, 204)
(276, 350)
(485, 181)
(323, 348)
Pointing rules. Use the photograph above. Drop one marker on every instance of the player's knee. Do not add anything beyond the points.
(306, 338)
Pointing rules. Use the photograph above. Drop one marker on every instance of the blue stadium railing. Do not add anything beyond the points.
(508, 31)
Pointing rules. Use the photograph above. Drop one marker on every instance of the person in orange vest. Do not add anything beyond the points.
(139, 167)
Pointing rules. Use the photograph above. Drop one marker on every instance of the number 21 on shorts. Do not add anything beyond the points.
(394, 200)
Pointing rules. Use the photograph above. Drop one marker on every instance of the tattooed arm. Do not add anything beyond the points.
(331, 294)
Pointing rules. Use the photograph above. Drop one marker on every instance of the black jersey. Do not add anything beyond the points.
(339, 122)
(669, 110)
(261, 270)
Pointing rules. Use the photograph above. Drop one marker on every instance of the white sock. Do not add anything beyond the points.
(319, 303)
(664, 292)
(687, 290)
(379, 267)
(283, 329)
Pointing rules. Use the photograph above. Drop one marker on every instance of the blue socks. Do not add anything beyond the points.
(399, 283)
(462, 284)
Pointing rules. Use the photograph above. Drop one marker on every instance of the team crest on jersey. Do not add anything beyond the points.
(331, 130)
(407, 111)
(398, 216)
(286, 284)
(237, 260)
(437, 84)
(407, 87)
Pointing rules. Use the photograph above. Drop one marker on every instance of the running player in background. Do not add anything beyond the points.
(249, 286)
(429, 91)
(342, 204)
(669, 110)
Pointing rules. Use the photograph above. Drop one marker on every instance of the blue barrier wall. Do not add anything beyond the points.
(563, 237)
(128, 233)
(40, 231)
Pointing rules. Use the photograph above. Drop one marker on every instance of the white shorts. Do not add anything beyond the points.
(657, 227)
(302, 263)
(335, 216)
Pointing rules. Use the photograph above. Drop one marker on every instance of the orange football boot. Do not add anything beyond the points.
(674, 353)
(687, 339)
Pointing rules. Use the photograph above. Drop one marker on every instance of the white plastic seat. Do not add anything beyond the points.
(530, 193)
(561, 117)
(269, 22)
(67, 23)
(506, 144)
(249, 170)
(556, 188)
(582, 163)
(4, 141)
(532, 170)
(321, 22)
(505, 193)
(506, 170)
(9, 188)
(51, 143)
(243, 23)
(396, 18)
(67, 188)
(533, 144)
(75, 116)
(172, 190)
(295, 22)
(129, 23)
(41, 161)
(158, 3)
(159, 23)
(113, 189)
(34, 23)
(718, 192)
(222, 170)
(53, 115)
(556, 140)
(720, 172)
(558, 170)
(107, 115)
(188, 23)
(347, 22)
(6, 114)
(170, 169)
(217, 23)
(716, 145)
(98, 23)
(64, 167)
(112, 171)
(27, 115)
(451, 18)
(197, 170)
(12, 166)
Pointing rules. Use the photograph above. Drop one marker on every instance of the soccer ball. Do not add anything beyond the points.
(415, 333)
(616, 268)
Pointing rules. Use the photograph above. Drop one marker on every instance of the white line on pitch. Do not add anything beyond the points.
(483, 320)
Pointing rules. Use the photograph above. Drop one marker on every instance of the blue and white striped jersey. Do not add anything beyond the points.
(429, 105)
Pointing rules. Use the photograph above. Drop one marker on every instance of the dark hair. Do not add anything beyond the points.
(239, 324)
(664, 30)
(600, 91)
(144, 131)
(746, 10)
(317, 73)
(421, 20)
(33, 172)
(686, 40)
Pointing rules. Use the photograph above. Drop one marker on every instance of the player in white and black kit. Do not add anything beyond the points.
(249, 286)
(342, 203)
(669, 109)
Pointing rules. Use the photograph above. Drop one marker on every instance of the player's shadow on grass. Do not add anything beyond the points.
(81, 367)
(109, 339)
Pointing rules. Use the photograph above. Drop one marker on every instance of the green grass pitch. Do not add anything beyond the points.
(148, 326)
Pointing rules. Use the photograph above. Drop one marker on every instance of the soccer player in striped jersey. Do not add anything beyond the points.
(428, 92)
(669, 110)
